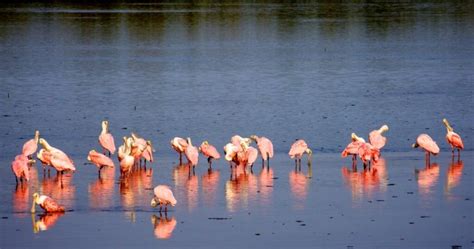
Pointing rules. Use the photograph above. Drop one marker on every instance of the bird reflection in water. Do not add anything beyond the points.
(134, 191)
(187, 184)
(240, 188)
(367, 182)
(299, 185)
(20, 200)
(427, 178)
(61, 188)
(266, 185)
(46, 221)
(163, 227)
(453, 177)
(210, 183)
(102, 190)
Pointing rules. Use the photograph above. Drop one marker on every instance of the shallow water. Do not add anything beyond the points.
(209, 71)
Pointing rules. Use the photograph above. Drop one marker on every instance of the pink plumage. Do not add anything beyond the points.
(209, 151)
(427, 143)
(298, 148)
(454, 140)
(352, 148)
(99, 159)
(20, 167)
(107, 142)
(164, 195)
(377, 140)
(265, 146)
(192, 154)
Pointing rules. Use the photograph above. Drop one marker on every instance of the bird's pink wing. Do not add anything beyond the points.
(211, 151)
(192, 154)
(455, 140)
(50, 205)
(377, 140)
(107, 142)
(101, 160)
(148, 154)
(427, 143)
(29, 147)
(251, 155)
(60, 164)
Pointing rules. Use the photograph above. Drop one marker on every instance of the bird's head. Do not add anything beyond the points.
(354, 138)
(37, 134)
(415, 145)
(254, 137)
(153, 203)
(189, 141)
(384, 128)
(448, 127)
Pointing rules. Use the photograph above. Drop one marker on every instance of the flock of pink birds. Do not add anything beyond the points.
(238, 152)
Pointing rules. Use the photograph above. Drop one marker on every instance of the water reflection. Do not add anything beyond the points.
(367, 182)
(21, 196)
(427, 179)
(187, 185)
(134, 191)
(266, 185)
(102, 190)
(46, 221)
(240, 189)
(163, 227)
(210, 183)
(299, 185)
(453, 177)
(60, 188)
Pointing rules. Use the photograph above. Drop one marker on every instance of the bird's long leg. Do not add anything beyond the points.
(263, 163)
(16, 180)
(180, 159)
(160, 208)
(268, 160)
(459, 154)
(209, 162)
(166, 209)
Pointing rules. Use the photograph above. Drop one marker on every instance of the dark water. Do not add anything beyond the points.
(286, 71)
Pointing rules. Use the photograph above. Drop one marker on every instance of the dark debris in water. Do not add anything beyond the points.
(274, 178)
(4, 217)
(299, 221)
(219, 218)
(257, 234)
(425, 216)
(411, 223)
(391, 184)
(380, 200)
(410, 193)
(124, 128)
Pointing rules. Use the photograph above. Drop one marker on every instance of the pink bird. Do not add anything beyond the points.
(45, 157)
(138, 147)
(163, 196)
(46, 203)
(231, 151)
(59, 154)
(128, 160)
(209, 151)
(192, 154)
(106, 140)
(99, 160)
(298, 148)
(121, 150)
(368, 153)
(265, 146)
(376, 137)
(20, 168)
(237, 140)
(148, 152)
(353, 148)
(453, 139)
(62, 165)
(30, 147)
(179, 145)
(247, 156)
(428, 144)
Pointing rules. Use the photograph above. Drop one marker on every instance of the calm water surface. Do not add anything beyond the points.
(286, 71)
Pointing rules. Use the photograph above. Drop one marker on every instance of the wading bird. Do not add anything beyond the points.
(298, 148)
(30, 147)
(106, 140)
(179, 145)
(192, 154)
(99, 160)
(46, 203)
(376, 137)
(209, 151)
(428, 145)
(20, 168)
(163, 196)
(265, 147)
(453, 139)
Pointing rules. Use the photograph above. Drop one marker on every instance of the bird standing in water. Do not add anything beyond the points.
(163, 196)
(30, 147)
(298, 148)
(46, 203)
(377, 139)
(106, 140)
(453, 139)
(209, 151)
(265, 146)
(428, 145)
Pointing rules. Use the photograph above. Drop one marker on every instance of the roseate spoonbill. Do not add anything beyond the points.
(353, 148)
(128, 160)
(192, 153)
(428, 144)
(368, 153)
(237, 140)
(298, 148)
(45, 222)
(30, 147)
(209, 151)
(248, 155)
(59, 154)
(138, 147)
(45, 157)
(376, 137)
(20, 168)
(148, 152)
(265, 147)
(453, 139)
(99, 160)
(46, 203)
(121, 150)
(179, 145)
(163, 196)
(106, 140)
